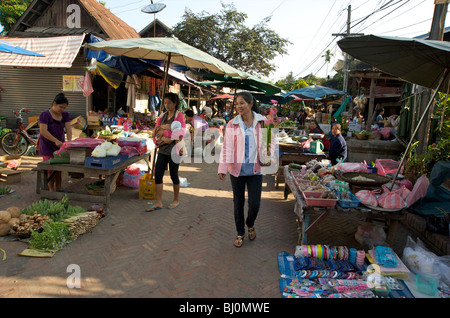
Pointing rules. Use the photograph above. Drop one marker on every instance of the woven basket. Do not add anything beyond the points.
(374, 136)
(101, 191)
(362, 136)
(377, 180)
(108, 138)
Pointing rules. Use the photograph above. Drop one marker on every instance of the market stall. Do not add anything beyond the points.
(321, 189)
(372, 269)
(92, 157)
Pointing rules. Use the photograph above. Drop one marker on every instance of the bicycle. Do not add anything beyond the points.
(18, 141)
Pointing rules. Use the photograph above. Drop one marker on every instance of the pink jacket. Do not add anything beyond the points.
(233, 147)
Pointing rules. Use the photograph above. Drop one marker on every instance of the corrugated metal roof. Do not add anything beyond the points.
(60, 52)
(114, 27)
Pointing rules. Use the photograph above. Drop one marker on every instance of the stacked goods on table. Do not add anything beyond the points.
(325, 271)
(48, 226)
(315, 182)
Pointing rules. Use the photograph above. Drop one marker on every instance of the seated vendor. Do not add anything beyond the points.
(338, 147)
(315, 129)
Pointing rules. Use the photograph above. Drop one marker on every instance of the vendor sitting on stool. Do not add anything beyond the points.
(338, 148)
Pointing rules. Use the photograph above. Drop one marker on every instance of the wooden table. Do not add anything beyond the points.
(305, 212)
(293, 153)
(110, 175)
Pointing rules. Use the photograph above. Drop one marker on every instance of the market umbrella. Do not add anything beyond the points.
(315, 91)
(170, 50)
(164, 49)
(7, 47)
(224, 96)
(422, 62)
(249, 83)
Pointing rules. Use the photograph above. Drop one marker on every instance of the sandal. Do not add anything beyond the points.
(251, 233)
(239, 241)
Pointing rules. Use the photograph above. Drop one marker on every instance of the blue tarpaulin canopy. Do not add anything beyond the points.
(127, 65)
(11, 48)
(315, 91)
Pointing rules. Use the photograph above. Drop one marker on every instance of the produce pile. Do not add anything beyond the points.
(53, 237)
(82, 223)
(56, 211)
(8, 219)
(49, 225)
(27, 224)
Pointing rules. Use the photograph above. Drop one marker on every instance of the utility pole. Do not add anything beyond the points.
(346, 68)
(437, 34)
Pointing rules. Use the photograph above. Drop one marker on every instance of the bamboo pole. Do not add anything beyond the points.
(418, 125)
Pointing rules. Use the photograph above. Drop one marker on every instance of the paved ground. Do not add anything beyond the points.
(186, 252)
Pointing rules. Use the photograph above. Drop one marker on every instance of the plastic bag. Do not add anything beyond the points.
(419, 190)
(390, 200)
(133, 170)
(420, 260)
(370, 235)
(367, 197)
(351, 167)
(99, 152)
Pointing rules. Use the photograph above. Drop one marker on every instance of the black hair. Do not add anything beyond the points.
(61, 99)
(317, 125)
(189, 113)
(174, 98)
(248, 97)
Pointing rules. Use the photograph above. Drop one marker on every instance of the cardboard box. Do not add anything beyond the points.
(79, 123)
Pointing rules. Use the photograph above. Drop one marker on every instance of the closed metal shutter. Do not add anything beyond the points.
(35, 89)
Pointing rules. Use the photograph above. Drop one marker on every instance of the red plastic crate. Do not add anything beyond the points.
(313, 199)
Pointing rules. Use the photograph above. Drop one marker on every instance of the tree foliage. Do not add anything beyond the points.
(10, 11)
(225, 36)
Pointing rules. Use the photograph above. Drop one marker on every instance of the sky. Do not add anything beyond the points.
(308, 24)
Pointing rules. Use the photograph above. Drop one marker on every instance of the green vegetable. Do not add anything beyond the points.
(55, 236)
(106, 133)
(4, 190)
(55, 210)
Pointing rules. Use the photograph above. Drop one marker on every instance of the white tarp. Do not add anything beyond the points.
(60, 52)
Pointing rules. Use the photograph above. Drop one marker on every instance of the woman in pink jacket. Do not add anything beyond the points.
(240, 157)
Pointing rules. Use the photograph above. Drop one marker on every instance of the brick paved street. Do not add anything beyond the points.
(185, 252)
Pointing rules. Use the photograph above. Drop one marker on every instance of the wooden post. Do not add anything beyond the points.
(371, 104)
(166, 78)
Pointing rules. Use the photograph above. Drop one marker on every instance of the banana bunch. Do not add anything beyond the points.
(54, 210)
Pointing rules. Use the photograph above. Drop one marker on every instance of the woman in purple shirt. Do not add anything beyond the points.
(54, 123)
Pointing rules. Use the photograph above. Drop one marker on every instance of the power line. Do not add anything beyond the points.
(407, 26)
(314, 37)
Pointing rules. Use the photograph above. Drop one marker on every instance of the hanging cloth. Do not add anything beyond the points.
(86, 84)
(132, 85)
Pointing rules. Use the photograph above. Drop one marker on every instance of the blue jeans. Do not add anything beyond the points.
(254, 188)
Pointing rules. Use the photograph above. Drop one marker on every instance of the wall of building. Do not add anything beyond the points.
(35, 89)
